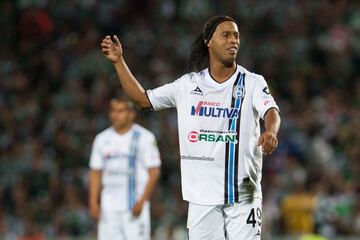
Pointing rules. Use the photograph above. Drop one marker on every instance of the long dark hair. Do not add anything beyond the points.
(199, 56)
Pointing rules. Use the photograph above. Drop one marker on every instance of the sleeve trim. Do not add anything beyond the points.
(151, 106)
(268, 110)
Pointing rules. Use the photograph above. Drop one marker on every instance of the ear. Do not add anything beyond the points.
(208, 44)
(132, 115)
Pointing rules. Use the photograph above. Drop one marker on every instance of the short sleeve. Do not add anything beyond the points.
(262, 98)
(96, 159)
(151, 155)
(163, 97)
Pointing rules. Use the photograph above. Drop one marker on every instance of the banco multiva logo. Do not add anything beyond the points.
(213, 109)
(212, 136)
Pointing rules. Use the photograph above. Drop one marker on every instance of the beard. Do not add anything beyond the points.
(225, 59)
(229, 62)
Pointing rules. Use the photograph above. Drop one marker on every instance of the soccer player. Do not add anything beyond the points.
(219, 106)
(124, 166)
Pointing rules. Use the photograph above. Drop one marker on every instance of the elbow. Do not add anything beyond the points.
(155, 173)
(278, 116)
(143, 101)
(143, 104)
(272, 113)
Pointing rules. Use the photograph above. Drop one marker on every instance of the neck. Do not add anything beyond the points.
(123, 129)
(220, 73)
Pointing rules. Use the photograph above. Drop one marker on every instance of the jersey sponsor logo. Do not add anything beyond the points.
(197, 158)
(267, 102)
(238, 91)
(116, 172)
(209, 103)
(212, 136)
(115, 155)
(208, 109)
(193, 136)
(197, 91)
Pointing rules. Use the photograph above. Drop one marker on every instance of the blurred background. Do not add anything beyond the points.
(56, 86)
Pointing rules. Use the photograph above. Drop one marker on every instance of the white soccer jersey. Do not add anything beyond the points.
(219, 130)
(124, 160)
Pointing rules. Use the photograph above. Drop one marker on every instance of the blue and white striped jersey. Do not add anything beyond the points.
(124, 160)
(218, 133)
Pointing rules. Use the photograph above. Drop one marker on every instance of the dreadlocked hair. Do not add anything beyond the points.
(199, 56)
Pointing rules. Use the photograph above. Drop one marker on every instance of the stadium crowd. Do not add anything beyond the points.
(56, 86)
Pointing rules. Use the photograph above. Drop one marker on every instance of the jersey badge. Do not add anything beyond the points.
(238, 92)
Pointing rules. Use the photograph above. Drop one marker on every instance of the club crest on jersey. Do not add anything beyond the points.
(197, 91)
(238, 92)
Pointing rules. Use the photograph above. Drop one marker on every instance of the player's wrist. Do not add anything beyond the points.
(119, 60)
(272, 132)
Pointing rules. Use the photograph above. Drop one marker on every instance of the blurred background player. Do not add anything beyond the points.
(219, 106)
(124, 170)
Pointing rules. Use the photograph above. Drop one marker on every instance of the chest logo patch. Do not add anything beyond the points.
(197, 91)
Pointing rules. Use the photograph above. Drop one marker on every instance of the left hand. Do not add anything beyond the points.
(268, 141)
(138, 206)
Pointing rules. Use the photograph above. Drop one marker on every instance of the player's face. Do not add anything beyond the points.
(224, 44)
(121, 115)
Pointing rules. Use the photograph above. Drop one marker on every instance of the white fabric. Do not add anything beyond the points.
(111, 153)
(238, 221)
(121, 225)
(205, 118)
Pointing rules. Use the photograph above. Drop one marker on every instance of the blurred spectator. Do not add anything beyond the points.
(72, 218)
(298, 207)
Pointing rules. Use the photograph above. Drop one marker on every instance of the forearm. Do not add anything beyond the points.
(272, 121)
(131, 86)
(154, 174)
(94, 187)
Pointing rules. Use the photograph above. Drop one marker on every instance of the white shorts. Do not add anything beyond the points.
(122, 225)
(239, 221)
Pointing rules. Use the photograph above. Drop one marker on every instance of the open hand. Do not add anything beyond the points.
(112, 50)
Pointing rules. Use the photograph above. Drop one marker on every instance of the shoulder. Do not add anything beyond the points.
(191, 77)
(103, 136)
(144, 133)
(252, 77)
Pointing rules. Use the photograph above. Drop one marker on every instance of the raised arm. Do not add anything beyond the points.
(114, 52)
(268, 139)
